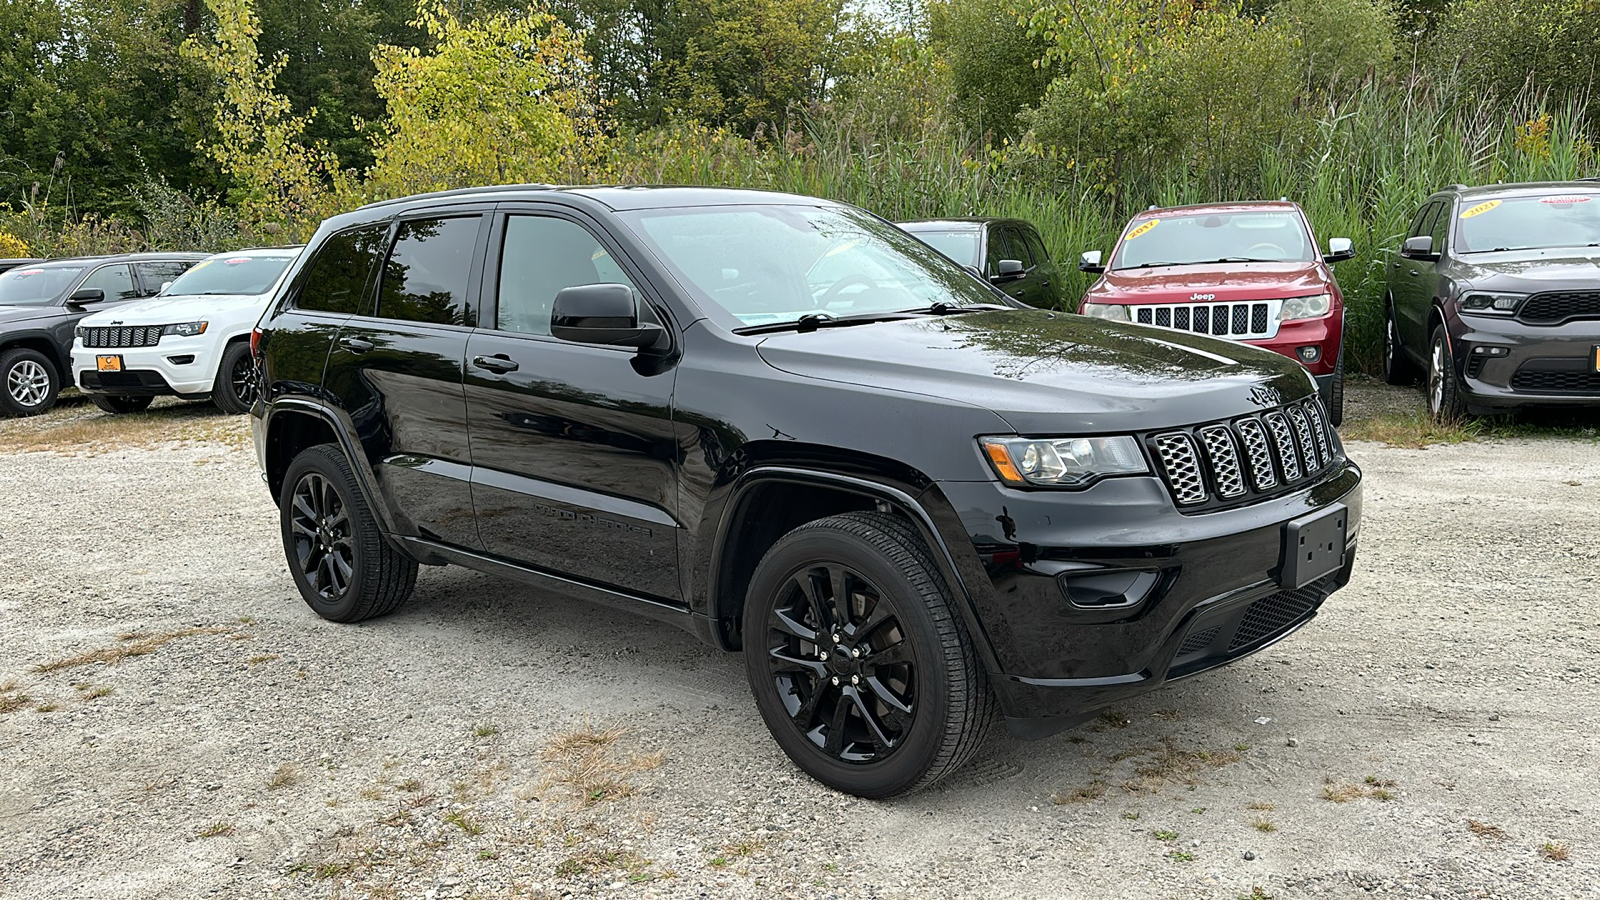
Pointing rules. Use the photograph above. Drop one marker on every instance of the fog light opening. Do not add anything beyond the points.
(1486, 350)
(183, 360)
(1309, 354)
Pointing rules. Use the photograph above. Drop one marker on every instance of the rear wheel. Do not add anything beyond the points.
(859, 662)
(1397, 367)
(235, 388)
(120, 405)
(28, 382)
(344, 567)
(1444, 391)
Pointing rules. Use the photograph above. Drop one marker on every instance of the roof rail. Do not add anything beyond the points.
(1458, 186)
(1150, 207)
(1283, 199)
(462, 192)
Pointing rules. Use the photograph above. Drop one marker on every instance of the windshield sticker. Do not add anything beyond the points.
(1566, 198)
(202, 264)
(1480, 209)
(237, 260)
(1142, 229)
(26, 272)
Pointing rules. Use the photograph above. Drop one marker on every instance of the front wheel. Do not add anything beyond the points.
(345, 568)
(1444, 391)
(858, 659)
(120, 405)
(235, 388)
(1397, 368)
(28, 382)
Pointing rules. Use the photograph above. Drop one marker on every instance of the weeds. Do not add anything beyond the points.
(1164, 835)
(215, 829)
(284, 776)
(1173, 766)
(1180, 856)
(12, 698)
(483, 731)
(1485, 830)
(584, 762)
(1265, 827)
(1372, 788)
(133, 644)
(465, 822)
(1094, 790)
(1555, 852)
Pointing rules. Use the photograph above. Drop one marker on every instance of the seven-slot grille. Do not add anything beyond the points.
(1222, 462)
(1556, 307)
(1249, 319)
(122, 336)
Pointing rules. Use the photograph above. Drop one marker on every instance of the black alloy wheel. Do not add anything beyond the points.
(322, 550)
(839, 659)
(1397, 369)
(1444, 392)
(237, 385)
(858, 657)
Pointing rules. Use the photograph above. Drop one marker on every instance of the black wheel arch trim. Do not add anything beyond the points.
(912, 501)
(342, 428)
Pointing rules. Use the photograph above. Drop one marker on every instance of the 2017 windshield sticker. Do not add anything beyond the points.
(1565, 199)
(1142, 229)
(1480, 209)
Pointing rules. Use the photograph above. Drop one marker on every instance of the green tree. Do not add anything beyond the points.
(1504, 46)
(997, 67)
(1339, 41)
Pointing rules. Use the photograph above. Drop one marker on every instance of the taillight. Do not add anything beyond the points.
(255, 345)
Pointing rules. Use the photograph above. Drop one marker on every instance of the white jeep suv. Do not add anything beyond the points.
(192, 339)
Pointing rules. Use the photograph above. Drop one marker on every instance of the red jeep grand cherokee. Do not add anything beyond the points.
(1246, 271)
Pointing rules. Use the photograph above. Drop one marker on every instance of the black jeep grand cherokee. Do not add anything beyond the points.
(789, 427)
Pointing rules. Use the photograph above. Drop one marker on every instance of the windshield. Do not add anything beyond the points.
(230, 275)
(961, 246)
(1214, 237)
(35, 286)
(1529, 223)
(772, 264)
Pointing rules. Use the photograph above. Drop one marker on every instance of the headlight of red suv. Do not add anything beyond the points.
(1113, 311)
(1314, 307)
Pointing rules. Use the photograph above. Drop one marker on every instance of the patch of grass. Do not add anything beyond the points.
(742, 849)
(1113, 718)
(46, 706)
(1198, 810)
(595, 861)
(410, 785)
(262, 658)
(1555, 852)
(585, 763)
(717, 862)
(1261, 805)
(133, 644)
(1094, 790)
(331, 869)
(1256, 893)
(1164, 835)
(1171, 765)
(1265, 827)
(94, 691)
(1131, 816)
(12, 698)
(215, 829)
(1180, 856)
(465, 823)
(1416, 429)
(484, 855)
(484, 731)
(282, 777)
(1371, 788)
(93, 434)
(1485, 830)
(1167, 715)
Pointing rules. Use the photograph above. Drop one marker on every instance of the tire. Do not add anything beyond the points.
(28, 382)
(121, 405)
(911, 649)
(1444, 391)
(235, 388)
(1397, 367)
(345, 568)
(1335, 399)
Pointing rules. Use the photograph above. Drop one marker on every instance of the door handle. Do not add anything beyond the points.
(1415, 273)
(497, 363)
(356, 345)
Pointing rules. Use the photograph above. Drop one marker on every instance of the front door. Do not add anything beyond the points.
(1411, 283)
(574, 458)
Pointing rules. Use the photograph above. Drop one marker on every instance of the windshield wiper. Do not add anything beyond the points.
(1246, 259)
(812, 321)
(941, 308)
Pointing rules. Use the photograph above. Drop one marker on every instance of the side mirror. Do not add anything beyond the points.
(164, 286)
(605, 314)
(1339, 250)
(86, 297)
(1090, 262)
(1007, 270)
(1419, 247)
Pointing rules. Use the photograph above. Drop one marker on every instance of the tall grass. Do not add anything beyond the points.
(1360, 165)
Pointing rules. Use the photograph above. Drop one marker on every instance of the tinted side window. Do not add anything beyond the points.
(116, 281)
(998, 249)
(540, 257)
(152, 275)
(1424, 216)
(336, 278)
(1019, 246)
(1035, 247)
(1441, 225)
(425, 278)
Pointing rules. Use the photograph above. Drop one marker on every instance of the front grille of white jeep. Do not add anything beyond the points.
(111, 336)
(1245, 459)
(1246, 320)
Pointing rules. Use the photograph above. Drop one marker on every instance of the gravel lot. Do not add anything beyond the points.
(1432, 734)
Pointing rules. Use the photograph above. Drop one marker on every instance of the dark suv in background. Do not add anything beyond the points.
(1495, 295)
(1008, 252)
(791, 428)
(41, 303)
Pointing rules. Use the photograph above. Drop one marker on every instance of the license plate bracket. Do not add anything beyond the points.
(108, 363)
(1314, 546)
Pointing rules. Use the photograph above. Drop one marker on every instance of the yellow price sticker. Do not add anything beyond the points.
(1480, 209)
(1142, 230)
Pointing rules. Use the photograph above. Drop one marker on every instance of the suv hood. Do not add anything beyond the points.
(1049, 372)
(1227, 281)
(175, 308)
(1531, 271)
(10, 315)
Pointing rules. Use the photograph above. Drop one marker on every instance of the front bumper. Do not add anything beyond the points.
(1532, 365)
(1326, 334)
(1203, 589)
(186, 366)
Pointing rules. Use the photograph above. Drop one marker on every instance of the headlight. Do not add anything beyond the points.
(1305, 307)
(1113, 311)
(1487, 304)
(1063, 462)
(186, 329)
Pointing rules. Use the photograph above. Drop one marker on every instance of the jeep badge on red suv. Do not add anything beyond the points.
(1250, 272)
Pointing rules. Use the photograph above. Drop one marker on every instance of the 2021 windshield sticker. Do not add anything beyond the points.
(1480, 209)
(1564, 199)
(1143, 230)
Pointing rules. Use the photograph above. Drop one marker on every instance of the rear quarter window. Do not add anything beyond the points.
(336, 279)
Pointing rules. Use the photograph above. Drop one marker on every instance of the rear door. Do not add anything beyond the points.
(396, 367)
(1047, 281)
(573, 452)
